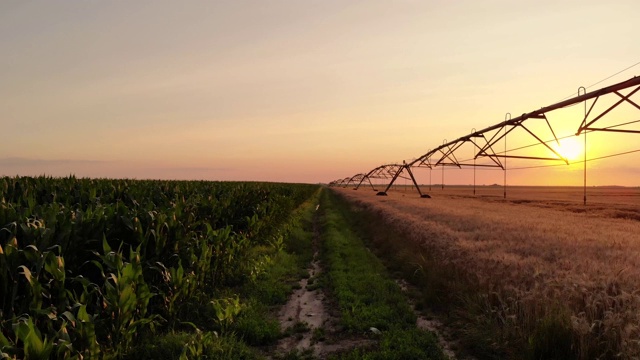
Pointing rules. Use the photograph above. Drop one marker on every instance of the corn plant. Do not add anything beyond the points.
(126, 296)
(227, 309)
(179, 286)
(197, 347)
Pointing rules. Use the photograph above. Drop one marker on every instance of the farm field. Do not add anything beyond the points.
(127, 269)
(537, 275)
(615, 196)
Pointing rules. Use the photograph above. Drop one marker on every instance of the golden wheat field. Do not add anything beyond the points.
(535, 253)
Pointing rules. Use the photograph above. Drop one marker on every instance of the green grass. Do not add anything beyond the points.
(366, 294)
(256, 325)
(189, 345)
(410, 344)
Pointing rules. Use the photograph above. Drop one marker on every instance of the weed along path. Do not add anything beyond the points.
(350, 307)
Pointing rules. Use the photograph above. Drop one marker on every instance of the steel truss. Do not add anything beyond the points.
(485, 142)
(389, 171)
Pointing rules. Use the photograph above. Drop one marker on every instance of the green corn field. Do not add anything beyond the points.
(87, 266)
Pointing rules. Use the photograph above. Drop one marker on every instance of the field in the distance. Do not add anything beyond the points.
(612, 195)
(539, 266)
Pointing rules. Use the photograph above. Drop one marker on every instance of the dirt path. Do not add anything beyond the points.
(306, 312)
(306, 306)
(311, 315)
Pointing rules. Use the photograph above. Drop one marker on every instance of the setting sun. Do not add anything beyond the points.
(570, 148)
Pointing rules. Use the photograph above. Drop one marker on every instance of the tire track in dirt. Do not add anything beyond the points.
(310, 307)
(306, 306)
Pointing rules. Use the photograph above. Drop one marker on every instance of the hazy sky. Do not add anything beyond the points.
(295, 91)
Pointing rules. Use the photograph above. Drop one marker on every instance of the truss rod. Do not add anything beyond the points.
(538, 114)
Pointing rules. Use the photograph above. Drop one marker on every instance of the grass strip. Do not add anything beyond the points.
(366, 295)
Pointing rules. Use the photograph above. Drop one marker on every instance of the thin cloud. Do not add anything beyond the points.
(18, 161)
(202, 169)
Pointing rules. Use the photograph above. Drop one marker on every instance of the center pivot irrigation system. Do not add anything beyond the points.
(484, 143)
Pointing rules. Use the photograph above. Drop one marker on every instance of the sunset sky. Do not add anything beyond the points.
(298, 91)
